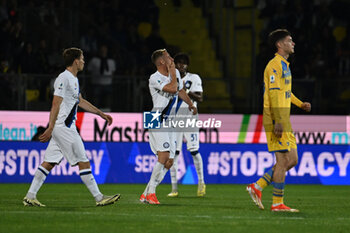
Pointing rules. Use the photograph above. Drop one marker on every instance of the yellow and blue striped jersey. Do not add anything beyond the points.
(278, 91)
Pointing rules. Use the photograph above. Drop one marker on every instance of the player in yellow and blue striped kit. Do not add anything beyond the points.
(278, 97)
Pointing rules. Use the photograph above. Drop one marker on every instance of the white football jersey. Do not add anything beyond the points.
(67, 86)
(164, 102)
(193, 83)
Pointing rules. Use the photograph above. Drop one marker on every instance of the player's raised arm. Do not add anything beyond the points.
(172, 86)
(87, 106)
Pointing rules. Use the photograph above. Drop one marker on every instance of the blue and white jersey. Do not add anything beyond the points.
(67, 86)
(193, 83)
(164, 102)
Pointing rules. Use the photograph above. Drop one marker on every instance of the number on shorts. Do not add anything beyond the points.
(193, 137)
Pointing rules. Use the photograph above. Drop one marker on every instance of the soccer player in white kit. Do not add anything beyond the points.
(165, 88)
(65, 140)
(193, 86)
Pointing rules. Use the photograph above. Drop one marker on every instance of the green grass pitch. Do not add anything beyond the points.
(225, 208)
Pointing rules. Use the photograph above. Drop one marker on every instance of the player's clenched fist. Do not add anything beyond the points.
(306, 106)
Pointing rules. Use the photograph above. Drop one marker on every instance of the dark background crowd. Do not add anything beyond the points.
(34, 33)
(321, 31)
(118, 37)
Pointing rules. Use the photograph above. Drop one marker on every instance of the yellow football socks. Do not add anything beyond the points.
(265, 180)
(278, 192)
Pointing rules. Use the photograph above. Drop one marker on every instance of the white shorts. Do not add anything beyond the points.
(192, 140)
(65, 142)
(162, 141)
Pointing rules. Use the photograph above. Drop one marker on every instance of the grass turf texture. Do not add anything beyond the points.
(225, 208)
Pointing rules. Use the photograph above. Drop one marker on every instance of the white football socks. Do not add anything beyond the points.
(162, 175)
(154, 180)
(90, 182)
(146, 189)
(173, 174)
(198, 163)
(37, 182)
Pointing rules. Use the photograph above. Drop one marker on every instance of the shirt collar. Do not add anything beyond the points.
(282, 58)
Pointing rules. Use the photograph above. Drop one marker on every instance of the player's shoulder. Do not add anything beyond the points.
(274, 63)
(155, 75)
(65, 74)
(62, 77)
(193, 76)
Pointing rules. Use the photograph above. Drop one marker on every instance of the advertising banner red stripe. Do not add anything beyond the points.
(258, 129)
(79, 121)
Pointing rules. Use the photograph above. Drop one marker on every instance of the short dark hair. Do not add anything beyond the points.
(157, 54)
(69, 55)
(276, 36)
(182, 57)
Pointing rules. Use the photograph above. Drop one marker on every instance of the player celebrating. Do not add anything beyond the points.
(65, 140)
(165, 89)
(276, 119)
(193, 86)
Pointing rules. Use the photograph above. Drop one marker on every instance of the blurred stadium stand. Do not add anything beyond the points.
(226, 40)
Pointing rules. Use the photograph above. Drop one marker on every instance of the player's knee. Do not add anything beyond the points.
(169, 163)
(48, 166)
(292, 163)
(193, 153)
(83, 165)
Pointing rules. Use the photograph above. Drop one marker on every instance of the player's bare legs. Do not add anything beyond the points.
(284, 162)
(48, 166)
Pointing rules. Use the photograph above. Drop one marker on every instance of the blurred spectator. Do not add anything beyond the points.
(344, 57)
(28, 61)
(155, 41)
(5, 37)
(43, 57)
(3, 10)
(102, 68)
(102, 65)
(88, 42)
(4, 65)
